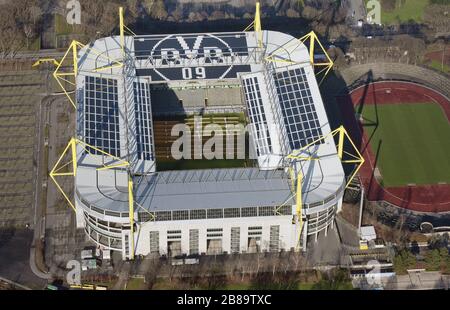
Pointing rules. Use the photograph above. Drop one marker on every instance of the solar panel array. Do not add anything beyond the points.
(142, 109)
(257, 116)
(297, 105)
(101, 111)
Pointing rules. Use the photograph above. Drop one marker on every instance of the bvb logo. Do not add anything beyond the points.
(74, 15)
(183, 49)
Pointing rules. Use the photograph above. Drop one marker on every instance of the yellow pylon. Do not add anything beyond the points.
(327, 65)
(282, 53)
(44, 60)
(343, 136)
(297, 181)
(117, 163)
(72, 148)
(256, 25)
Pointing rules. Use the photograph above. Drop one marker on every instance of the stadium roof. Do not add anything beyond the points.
(113, 116)
(187, 189)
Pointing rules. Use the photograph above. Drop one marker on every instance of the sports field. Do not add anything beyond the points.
(414, 141)
(164, 140)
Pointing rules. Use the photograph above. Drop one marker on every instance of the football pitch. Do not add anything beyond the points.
(413, 141)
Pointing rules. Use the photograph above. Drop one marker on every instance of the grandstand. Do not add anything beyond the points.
(127, 85)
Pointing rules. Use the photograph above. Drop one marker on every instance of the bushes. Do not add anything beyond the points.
(403, 261)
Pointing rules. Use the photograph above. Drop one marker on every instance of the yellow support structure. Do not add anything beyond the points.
(342, 133)
(356, 158)
(122, 32)
(256, 25)
(299, 203)
(55, 171)
(62, 77)
(328, 64)
(43, 60)
(131, 215)
(341, 144)
(278, 54)
(72, 147)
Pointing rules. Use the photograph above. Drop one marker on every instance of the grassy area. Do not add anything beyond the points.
(415, 143)
(35, 44)
(404, 11)
(136, 284)
(438, 66)
(63, 28)
(164, 165)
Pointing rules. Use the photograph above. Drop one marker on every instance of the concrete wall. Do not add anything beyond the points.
(288, 233)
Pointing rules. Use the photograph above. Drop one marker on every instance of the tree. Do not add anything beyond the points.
(388, 5)
(11, 36)
(92, 16)
(291, 13)
(437, 16)
(403, 261)
(156, 9)
(336, 279)
(433, 260)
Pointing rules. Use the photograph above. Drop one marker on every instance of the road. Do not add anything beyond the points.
(51, 53)
(39, 209)
(356, 10)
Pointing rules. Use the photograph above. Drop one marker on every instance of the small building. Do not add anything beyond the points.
(87, 264)
(106, 254)
(367, 233)
(87, 254)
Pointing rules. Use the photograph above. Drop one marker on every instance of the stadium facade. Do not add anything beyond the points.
(207, 211)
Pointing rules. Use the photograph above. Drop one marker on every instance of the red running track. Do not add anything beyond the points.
(422, 198)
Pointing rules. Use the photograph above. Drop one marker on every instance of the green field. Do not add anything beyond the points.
(435, 64)
(415, 142)
(404, 11)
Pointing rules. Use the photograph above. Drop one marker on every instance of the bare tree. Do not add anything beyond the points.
(156, 9)
(11, 37)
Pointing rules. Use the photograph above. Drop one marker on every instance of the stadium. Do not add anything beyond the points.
(126, 202)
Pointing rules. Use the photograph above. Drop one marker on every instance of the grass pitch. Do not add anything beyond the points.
(415, 142)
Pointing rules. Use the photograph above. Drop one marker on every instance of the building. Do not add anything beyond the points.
(127, 205)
